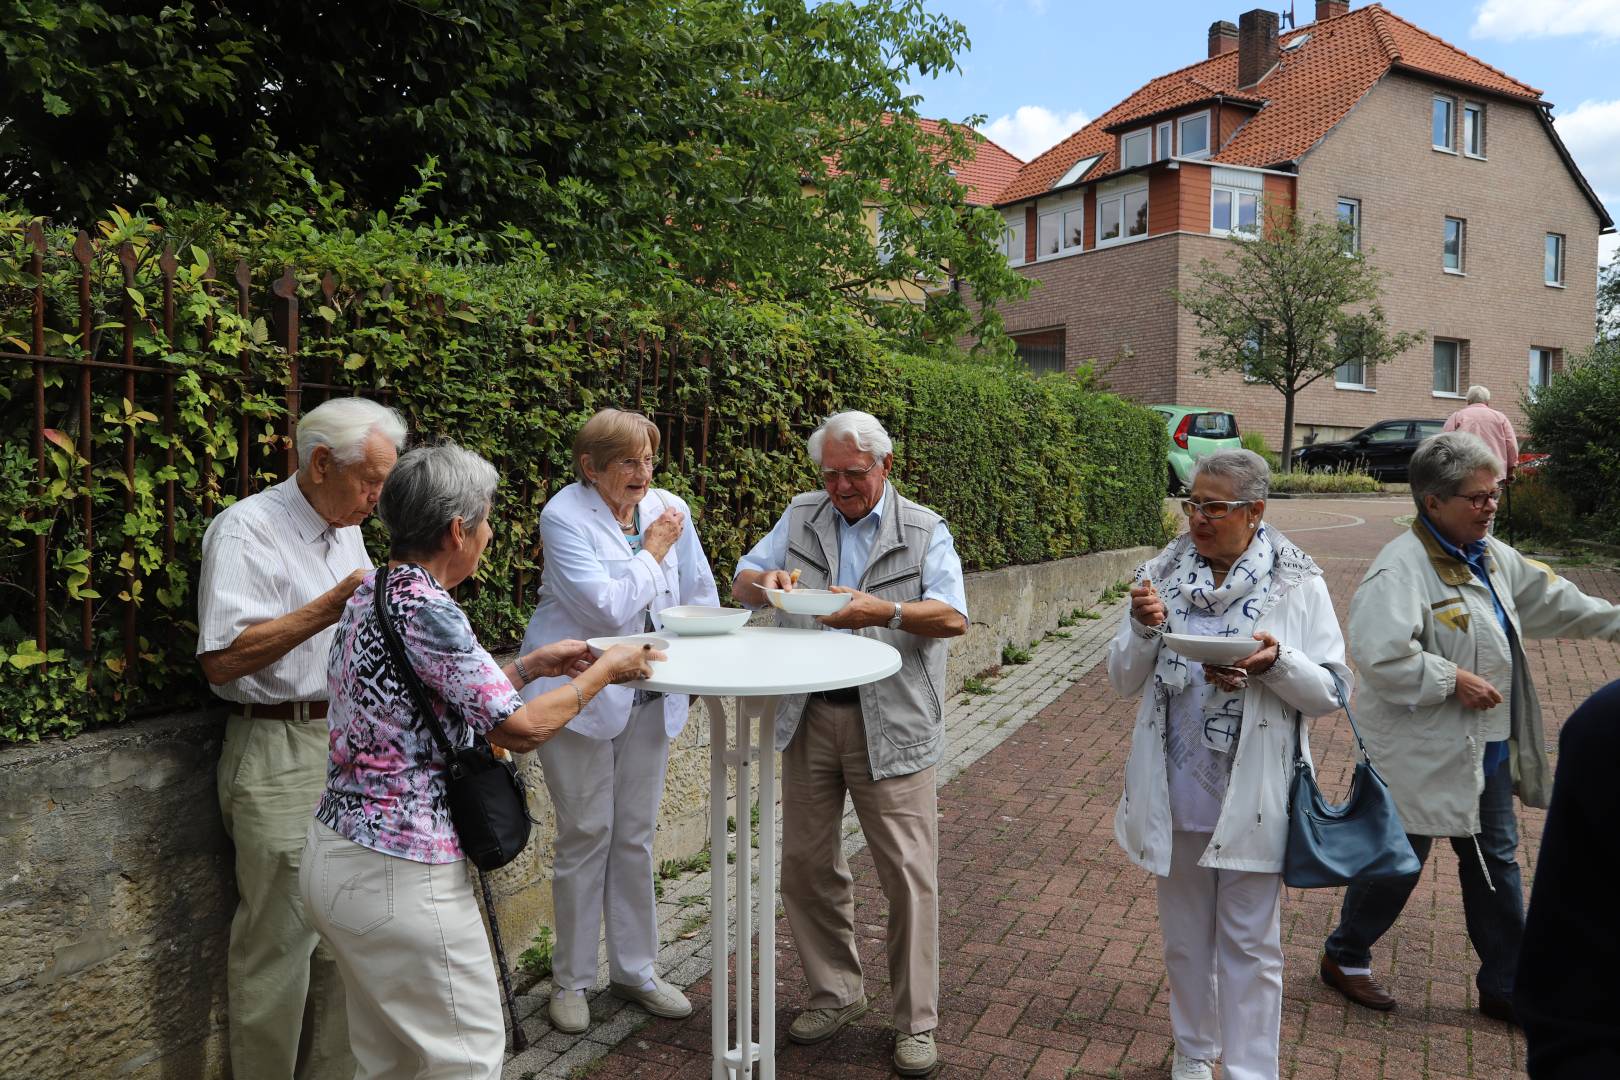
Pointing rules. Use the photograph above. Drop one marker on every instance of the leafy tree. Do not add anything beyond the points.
(1287, 306)
(640, 138)
(1608, 300)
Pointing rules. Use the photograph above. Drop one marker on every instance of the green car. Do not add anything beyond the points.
(1194, 433)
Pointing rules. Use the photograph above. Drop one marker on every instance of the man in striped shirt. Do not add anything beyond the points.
(277, 569)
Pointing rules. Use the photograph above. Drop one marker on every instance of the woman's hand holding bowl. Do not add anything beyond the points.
(627, 663)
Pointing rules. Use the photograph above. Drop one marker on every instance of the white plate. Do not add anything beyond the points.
(693, 620)
(808, 601)
(1212, 649)
(600, 645)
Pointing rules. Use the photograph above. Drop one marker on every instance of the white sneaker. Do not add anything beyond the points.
(570, 1012)
(1186, 1068)
(662, 1000)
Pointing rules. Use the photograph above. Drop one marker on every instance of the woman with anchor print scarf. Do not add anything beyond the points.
(1205, 806)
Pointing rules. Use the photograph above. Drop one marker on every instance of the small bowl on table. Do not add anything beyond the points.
(808, 601)
(695, 620)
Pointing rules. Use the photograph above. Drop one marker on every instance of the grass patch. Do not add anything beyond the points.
(536, 959)
(1015, 654)
(1114, 592)
(1323, 481)
(1057, 634)
(691, 864)
(975, 685)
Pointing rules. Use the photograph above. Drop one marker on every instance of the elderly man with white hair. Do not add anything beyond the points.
(1493, 427)
(277, 569)
(878, 743)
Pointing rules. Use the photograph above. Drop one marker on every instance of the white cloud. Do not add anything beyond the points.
(1030, 129)
(1509, 20)
(1591, 130)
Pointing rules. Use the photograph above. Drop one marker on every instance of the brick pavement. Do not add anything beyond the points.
(1050, 951)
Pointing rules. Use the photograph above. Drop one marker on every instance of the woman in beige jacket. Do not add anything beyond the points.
(1449, 712)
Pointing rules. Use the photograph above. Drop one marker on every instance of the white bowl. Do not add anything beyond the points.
(693, 620)
(1211, 649)
(600, 645)
(808, 601)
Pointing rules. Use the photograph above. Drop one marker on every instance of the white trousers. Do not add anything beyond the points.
(606, 794)
(1223, 954)
(418, 977)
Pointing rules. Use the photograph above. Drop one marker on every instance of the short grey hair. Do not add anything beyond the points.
(862, 429)
(1441, 463)
(1478, 395)
(1247, 470)
(344, 424)
(429, 488)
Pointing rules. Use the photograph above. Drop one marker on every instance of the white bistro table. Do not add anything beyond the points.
(755, 665)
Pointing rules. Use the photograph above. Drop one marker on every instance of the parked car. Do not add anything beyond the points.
(1195, 432)
(1382, 450)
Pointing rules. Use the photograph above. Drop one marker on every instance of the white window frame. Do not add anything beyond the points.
(1236, 194)
(1209, 135)
(1012, 241)
(1163, 146)
(1118, 195)
(1477, 108)
(1359, 384)
(1355, 222)
(1077, 211)
(1536, 353)
(1055, 216)
(1461, 269)
(1146, 134)
(1450, 145)
(1558, 282)
(1456, 368)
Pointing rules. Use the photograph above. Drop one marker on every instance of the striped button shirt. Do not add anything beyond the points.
(265, 557)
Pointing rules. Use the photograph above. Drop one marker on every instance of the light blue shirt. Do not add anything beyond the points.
(941, 570)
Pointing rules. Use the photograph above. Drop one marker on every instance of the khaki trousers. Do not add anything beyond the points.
(826, 759)
(286, 997)
(423, 1001)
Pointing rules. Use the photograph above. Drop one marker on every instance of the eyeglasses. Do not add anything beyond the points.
(854, 476)
(1212, 511)
(1478, 501)
(632, 464)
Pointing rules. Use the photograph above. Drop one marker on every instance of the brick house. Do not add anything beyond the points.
(1448, 169)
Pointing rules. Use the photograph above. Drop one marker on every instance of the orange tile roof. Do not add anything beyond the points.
(1305, 95)
(986, 174)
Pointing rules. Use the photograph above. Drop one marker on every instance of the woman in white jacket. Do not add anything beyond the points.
(1205, 806)
(618, 551)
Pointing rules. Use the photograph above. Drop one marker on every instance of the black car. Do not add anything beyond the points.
(1381, 450)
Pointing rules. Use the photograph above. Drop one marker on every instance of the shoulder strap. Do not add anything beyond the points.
(402, 664)
(1344, 703)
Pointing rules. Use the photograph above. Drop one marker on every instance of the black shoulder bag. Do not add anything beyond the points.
(1361, 839)
(489, 805)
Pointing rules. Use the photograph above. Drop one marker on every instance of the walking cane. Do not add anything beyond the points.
(520, 1041)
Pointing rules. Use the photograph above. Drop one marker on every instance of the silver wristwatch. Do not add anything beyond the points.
(894, 623)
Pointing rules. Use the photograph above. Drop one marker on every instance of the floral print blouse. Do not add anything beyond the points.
(385, 778)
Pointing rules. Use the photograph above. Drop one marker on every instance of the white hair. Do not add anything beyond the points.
(862, 429)
(1247, 470)
(1478, 395)
(343, 425)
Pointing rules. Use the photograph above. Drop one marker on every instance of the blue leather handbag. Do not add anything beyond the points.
(1361, 839)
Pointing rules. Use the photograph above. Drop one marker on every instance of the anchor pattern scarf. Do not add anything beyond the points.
(1236, 603)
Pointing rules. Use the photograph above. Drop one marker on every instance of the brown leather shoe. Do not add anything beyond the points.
(1360, 989)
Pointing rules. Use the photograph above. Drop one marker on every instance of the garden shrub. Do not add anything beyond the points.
(508, 356)
(1573, 419)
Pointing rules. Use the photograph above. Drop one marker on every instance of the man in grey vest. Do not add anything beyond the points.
(879, 742)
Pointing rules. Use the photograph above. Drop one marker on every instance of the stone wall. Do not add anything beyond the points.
(117, 890)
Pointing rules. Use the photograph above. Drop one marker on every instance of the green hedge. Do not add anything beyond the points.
(1573, 419)
(508, 354)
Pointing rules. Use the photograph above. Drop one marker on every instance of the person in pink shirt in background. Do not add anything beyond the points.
(1478, 418)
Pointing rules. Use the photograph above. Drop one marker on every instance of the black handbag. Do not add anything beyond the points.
(489, 804)
(1361, 839)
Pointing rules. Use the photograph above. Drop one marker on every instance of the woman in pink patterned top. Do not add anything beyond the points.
(383, 875)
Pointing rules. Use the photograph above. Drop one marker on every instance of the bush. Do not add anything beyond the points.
(1323, 481)
(508, 357)
(1573, 420)
(1253, 440)
(1538, 512)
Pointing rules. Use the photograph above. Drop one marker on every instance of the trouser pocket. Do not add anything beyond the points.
(357, 887)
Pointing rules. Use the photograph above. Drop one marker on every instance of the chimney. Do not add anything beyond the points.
(1331, 9)
(1223, 38)
(1257, 45)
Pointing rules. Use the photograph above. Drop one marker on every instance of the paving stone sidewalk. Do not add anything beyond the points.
(1049, 941)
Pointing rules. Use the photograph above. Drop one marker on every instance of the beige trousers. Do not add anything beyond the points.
(286, 998)
(423, 1001)
(826, 759)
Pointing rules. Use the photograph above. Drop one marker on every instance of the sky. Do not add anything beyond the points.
(1040, 69)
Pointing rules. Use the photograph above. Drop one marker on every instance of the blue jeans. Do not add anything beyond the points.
(1495, 918)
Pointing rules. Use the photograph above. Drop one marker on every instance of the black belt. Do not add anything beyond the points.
(845, 695)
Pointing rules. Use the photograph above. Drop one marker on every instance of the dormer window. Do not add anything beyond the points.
(1194, 135)
(1135, 149)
